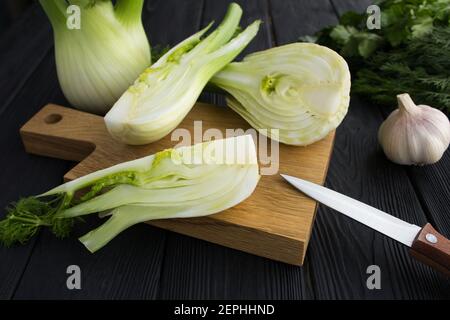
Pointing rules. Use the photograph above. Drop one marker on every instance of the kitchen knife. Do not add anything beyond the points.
(427, 245)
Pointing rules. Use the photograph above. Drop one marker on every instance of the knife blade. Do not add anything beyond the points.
(426, 244)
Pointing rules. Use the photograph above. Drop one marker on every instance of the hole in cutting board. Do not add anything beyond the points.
(53, 118)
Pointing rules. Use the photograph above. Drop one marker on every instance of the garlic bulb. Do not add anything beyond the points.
(414, 134)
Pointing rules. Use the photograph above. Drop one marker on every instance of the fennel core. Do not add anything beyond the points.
(300, 89)
(160, 186)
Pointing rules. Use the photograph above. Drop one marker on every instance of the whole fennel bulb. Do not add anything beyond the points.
(97, 62)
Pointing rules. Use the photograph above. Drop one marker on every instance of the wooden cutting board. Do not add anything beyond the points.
(275, 222)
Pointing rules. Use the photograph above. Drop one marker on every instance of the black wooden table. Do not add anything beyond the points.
(147, 263)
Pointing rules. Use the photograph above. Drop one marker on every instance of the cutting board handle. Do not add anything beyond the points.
(62, 133)
(70, 134)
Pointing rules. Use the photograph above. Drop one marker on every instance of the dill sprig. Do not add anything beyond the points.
(421, 68)
(26, 216)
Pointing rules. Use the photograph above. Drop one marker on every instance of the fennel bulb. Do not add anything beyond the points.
(302, 89)
(99, 61)
(185, 182)
(165, 92)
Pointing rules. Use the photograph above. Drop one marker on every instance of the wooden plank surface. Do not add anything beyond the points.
(24, 174)
(359, 169)
(431, 183)
(176, 266)
(22, 49)
(21, 174)
(293, 19)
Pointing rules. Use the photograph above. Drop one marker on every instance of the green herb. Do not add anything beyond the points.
(421, 68)
(26, 216)
(402, 21)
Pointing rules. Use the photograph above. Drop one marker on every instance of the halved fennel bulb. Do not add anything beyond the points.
(100, 58)
(302, 89)
(184, 182)
(164, 93)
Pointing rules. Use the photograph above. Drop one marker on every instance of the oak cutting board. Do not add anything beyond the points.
(275, 222)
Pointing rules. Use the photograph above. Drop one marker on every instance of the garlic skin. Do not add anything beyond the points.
(414, 135)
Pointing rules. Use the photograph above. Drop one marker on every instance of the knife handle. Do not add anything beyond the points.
(433, 249)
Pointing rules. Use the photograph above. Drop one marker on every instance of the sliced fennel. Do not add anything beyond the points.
(302, 89)
(99, 61)
(176, 183)
(164, 93)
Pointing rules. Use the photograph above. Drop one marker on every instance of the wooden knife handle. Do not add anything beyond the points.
(433, 249)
